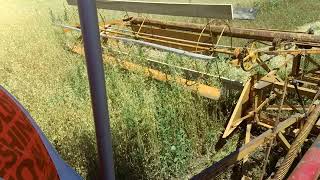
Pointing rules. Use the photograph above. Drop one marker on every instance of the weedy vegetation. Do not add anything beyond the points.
(159, 130)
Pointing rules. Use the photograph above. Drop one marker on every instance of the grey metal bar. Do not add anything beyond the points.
(208, 10)
(152, 45)
(164, 48)
(92, 47)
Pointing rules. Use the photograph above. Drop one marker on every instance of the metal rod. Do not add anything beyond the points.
(91, 38)
(299, 96)
(156, 46)
(257, 34)
(161, 47)
(160, 40)
(154, 35)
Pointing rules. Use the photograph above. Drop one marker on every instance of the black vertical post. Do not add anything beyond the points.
(92, 47)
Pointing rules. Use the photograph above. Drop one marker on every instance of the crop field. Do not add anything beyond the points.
(159, 130)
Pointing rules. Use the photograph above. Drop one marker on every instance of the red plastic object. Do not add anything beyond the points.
(22, 152)
(309, 166)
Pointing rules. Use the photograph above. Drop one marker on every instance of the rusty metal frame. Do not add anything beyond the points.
(259, 97)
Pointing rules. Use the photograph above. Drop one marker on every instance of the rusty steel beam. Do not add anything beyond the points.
(257, 34)
(295, 52)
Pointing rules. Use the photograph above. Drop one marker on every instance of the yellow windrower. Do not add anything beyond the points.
(260, 95)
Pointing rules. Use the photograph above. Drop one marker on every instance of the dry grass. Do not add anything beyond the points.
(159, 130)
